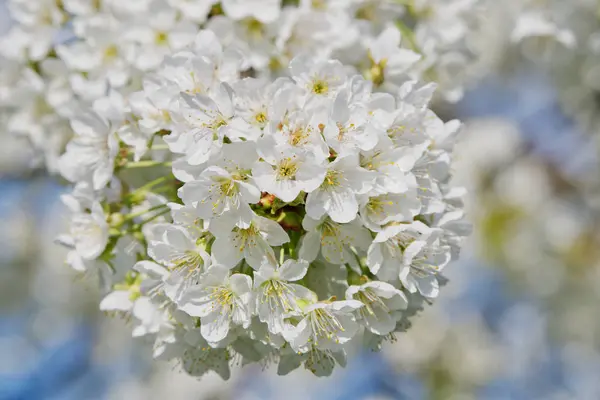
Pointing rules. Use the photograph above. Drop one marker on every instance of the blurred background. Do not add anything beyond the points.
(519, 318)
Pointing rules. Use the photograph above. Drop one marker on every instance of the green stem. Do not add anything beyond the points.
(409, 35)
(164, 184)
(152, 218)
(130, 217)
(147, 163)
(361, 265)
(159, 147)
(150, 185)
(162, 189)
(111, 266)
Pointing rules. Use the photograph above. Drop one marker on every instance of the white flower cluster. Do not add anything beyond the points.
(241, 195)
(62, 55)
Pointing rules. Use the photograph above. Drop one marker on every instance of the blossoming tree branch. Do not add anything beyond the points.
(253, 181)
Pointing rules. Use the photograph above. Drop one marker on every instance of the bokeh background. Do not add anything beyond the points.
(518, 319)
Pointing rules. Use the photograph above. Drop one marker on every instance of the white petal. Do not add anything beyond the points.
(299, 335)
(381, 323)
(151, 269)
(118, 300)
(286, 190)
(249, 193)
(374, 258)
(241, 284)
(274, 234)
(316, 203)
(293, 270)
(309, 247)
(332, 249)
(428, 286)
(198, 308)
(215, 327)
(226, 252)
(343, 206)
(144, 310)
(259, 253)
(346, 306)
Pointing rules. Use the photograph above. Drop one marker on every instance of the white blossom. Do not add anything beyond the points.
(422, 261)
(286, 172)
(253, 244)
(389, 62)
(157, 33)
(276, 297)
(386, 253)
(382, 303)
(326, 325)
(219, 301)
(91, 153)
(87, 237)
(240, 167)
(334, 240)
(336, 196)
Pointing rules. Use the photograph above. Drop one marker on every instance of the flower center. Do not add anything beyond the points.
(325, 325)
(111, 52)
(191, 261)
(287, 169)
(216, 123)
(329, 229)
(255, 28)
(377, 205)
(260, 117)
(222, 295)
(333, 178)
(319, 86)
(371, 301)
(376, 71)
(278, 296)
(342, 130)
(299, 136)
(227, 187)
(247, 236)
(161, 38)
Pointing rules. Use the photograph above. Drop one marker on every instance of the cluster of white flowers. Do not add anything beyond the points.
(243, 196)
(62, 55)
